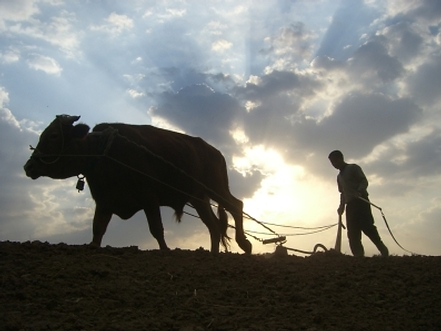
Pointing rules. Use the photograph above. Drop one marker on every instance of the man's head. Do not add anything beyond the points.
(337, 159)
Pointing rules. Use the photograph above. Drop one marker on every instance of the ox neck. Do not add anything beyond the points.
(97, 144)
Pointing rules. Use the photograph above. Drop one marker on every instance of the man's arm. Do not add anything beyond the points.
(341, 207)
(363, 182)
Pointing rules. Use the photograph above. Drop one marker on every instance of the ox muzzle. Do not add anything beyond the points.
(33, 165)
(30, 168)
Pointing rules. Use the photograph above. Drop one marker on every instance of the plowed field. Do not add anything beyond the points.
(62, 287)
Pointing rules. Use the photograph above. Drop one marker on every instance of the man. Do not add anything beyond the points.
(352, 185)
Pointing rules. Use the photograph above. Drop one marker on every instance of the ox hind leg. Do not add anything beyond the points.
(234, 206)
(153, 214)
(210, 220)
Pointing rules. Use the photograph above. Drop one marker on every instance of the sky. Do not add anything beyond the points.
(274, 85)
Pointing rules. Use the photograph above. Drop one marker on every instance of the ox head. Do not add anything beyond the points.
(53, 156)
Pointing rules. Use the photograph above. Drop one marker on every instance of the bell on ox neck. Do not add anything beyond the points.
(80, 183)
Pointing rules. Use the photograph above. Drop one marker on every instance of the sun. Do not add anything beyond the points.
(288, 195)
(278, 195)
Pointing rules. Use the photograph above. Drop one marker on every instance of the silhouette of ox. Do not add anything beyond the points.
(134, 167)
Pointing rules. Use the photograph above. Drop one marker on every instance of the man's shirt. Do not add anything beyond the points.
(352, 182)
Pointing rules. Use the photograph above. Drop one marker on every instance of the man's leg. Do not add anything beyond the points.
(372, 233)
(370, 230)
(354, 230)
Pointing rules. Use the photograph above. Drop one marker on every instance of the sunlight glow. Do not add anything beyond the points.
(287, 195)
(239, 136)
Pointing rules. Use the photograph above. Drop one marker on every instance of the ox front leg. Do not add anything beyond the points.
(100, 222)
(153, 214)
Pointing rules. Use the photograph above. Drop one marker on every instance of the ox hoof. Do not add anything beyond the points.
(94, 245)
(246, 246)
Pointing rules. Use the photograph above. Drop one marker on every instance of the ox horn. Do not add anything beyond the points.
(68, 119)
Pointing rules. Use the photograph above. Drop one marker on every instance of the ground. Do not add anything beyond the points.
(63, 287)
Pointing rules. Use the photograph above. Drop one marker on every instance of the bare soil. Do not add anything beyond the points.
(63, 287)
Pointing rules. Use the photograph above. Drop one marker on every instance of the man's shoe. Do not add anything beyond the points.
(384, 251)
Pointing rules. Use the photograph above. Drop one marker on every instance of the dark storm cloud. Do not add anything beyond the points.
(199, 111)
(275, 83)
(360, 122)
(424, 155)
(425, 83)
(403, 165)
(372, 59)
(369, 64)
(277, 97)
(244, 186)
(403, 40)
(426, 9)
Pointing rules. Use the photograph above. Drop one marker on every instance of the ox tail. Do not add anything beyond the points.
(178, 214)
(223, 220)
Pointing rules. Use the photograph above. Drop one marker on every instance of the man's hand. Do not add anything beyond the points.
(341, 209)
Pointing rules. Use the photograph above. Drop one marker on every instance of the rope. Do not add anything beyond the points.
(299, 234)
(260, 223)
(387, 225)
(299, 227)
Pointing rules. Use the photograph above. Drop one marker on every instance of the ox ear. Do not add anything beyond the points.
(80, 130)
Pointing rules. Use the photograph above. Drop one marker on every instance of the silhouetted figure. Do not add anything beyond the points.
(352, 184)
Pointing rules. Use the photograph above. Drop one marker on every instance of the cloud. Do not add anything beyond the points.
(115, 24)
(9, 56)
(404, 40)
(292, 42)
(221, 45)
(427, 10)
(4, 97)
(44, 63)
(423, 156)
(19, 10)
(424, 83)
(56, 30)
(362, 121)
(273, 83)
(372, 61)
(199, 110)
(326, 64)
(135, 94)
(274, 102)
(13, 153)
(349, 22)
